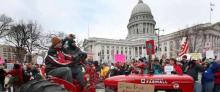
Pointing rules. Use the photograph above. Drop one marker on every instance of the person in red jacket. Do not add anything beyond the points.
(177, 68)
(217, 79)
(17, 76)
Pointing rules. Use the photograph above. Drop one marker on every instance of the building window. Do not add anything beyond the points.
(121, 51)
(113, 47)
(165, 49)
(108, 57)
(143, 30)
(4, 49)
(117, 51)
(140, 50)
(107, 46)
(137, 31)
(103, 52)
(107, 51)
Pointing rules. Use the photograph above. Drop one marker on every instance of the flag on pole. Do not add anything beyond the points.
(150, 49)
(211, 4)
(184, 47)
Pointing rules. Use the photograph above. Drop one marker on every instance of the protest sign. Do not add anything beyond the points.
(131, 87)
(210, 54)
(10, 66)
(1, 60)
(119, 58)
(168, 69)
(196, 56)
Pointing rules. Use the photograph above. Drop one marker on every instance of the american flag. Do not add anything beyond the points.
(184, 47)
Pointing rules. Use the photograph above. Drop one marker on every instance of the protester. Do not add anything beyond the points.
(217, 79)
(104, 71)
(17, 76)
(184, 63)
(157, 67)
(56, 61)
(193, 68)
(2, 77)
(208, 77)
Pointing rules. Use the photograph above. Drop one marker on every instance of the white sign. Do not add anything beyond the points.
(210, 54)
(40, 60)
(10, 66)
(168, 69)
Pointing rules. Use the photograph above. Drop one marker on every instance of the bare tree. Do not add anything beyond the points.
(4, 25)
(45, 39)
(17, 38)
(33, 35)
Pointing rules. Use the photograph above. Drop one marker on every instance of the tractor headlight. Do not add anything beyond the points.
(176, 85)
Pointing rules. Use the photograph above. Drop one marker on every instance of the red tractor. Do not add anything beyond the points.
(54, 84)
(162, 83)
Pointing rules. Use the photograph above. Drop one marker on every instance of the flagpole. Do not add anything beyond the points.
(210, 13)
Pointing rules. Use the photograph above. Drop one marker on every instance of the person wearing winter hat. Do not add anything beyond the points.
(57, 62)
(71, 48)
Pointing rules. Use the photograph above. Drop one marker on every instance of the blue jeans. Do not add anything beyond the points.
(197, 87)
(217, 88)
(208, 87)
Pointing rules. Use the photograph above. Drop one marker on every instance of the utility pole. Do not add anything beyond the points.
(158, 36)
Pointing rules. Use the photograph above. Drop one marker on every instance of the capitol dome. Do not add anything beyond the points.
(141, 23)
(141, 8)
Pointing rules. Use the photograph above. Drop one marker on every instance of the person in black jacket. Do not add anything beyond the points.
(193, 68)
(79, 57)
(2, 77)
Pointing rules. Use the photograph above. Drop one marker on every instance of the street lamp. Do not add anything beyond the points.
(158, 36)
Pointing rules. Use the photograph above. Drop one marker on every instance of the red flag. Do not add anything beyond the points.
(184, 47)
(150, 47)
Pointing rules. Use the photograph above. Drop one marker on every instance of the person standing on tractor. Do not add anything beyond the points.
(70, 47)
(57, 62)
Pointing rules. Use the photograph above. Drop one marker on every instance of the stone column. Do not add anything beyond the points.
(138, 51)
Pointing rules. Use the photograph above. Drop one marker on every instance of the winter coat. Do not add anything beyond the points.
(209, 74)
(178, 69)
(194, 70)
(56, 58)
(217, 77)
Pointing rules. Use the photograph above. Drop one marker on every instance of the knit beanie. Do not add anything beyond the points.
(55, 41)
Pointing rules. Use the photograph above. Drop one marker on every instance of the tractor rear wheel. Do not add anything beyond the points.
(41, 86)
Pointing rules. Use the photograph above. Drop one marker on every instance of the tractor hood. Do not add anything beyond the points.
(157, 80)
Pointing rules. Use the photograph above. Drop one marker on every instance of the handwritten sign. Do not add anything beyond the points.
(119, 58)
(10, 66)
(210, 54)
(131, 87)
(196, 56)
(168, 69)
(40, 60)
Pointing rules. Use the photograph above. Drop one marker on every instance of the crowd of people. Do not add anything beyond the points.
(205, 72)
(66, 61)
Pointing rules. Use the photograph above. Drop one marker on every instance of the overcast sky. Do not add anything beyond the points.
(107, 18)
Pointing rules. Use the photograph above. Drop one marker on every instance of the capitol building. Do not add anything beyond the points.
(141, 27)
